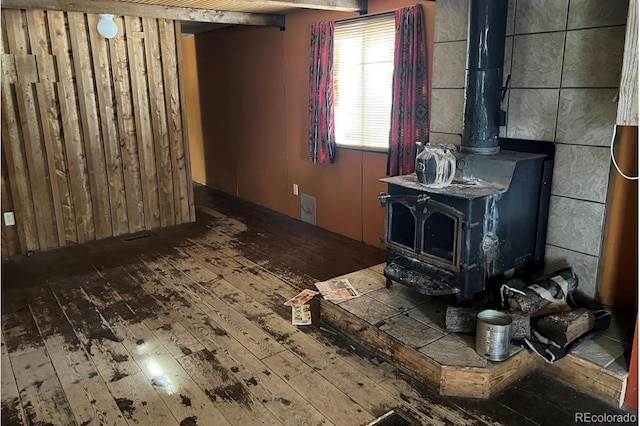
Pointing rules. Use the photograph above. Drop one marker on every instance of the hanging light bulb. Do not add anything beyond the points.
(106, 27)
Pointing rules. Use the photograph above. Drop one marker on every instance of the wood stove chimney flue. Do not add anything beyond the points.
(483, 88)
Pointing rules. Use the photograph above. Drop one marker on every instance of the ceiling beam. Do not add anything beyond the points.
(151, 11)
(340, 5)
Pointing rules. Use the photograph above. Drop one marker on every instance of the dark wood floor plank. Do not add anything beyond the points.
(12, 412)
(48, 314)
(287, 405)
(559, 396)
(536, 406)
(20, 331)
(495, 412)
(125, 280)
(174, 307)
(263, 222)
(214, 287)
(177, 339)
(139, 403)
(325, 397)
(87, 392)
(227, 244)
(177, 390)
(229, 395)
(282, 401)
(289, 263)
(545, 397)
(149, 296)
(100, 341)
(242, 275)
(215, 256)
(175, 387)
(231, 322)
(41, 393)
(85, 389)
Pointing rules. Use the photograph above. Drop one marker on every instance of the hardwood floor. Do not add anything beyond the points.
(186, 326)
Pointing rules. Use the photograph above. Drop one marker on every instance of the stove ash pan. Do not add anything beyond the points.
(478, 231)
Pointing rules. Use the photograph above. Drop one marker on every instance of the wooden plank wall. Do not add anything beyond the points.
(628, 102)
(93, 135)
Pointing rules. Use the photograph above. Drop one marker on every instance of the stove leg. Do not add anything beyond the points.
(389, 282)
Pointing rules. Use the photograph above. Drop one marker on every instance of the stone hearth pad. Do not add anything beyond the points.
(408, 329)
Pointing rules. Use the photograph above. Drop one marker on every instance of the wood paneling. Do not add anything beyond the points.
(183, 125)
(628, 103)
(93, 143)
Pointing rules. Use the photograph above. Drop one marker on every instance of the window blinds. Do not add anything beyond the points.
(363, 72)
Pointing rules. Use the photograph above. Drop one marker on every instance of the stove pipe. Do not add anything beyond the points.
(483, 90)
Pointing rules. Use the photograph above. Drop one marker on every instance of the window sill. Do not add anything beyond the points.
(364, 148)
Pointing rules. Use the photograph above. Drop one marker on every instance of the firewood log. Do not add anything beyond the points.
(548, 295)
(521, 325)
(461, 320)
(563, 328)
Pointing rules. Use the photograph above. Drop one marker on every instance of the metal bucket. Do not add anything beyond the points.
(493, 335)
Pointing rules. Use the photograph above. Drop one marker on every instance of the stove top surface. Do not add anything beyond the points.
(477, 176)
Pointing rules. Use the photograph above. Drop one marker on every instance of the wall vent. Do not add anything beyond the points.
(308, 208)
(136, 237)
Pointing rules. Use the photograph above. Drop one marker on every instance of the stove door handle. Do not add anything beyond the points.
(422, 198)
(386, 198)
(383, 197)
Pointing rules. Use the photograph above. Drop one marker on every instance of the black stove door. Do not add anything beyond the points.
(424, 229)
(441, 234)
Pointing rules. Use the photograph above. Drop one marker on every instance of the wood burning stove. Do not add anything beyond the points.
(490, 223)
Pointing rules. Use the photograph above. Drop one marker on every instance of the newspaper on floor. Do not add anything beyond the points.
(337, 289)
(300, 299)
(301, 315)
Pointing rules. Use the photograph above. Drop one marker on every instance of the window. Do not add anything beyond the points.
(363, 73)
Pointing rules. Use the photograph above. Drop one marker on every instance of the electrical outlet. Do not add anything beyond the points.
(9, 219)
(295, 189)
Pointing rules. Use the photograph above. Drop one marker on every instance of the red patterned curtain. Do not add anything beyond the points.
(322, 143)
(409, 109)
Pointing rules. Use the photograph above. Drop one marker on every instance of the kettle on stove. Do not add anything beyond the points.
(435, 165)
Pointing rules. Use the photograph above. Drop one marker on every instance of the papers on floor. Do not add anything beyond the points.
(303, 297)
(337, 289)
(300, 311)
(301, 315)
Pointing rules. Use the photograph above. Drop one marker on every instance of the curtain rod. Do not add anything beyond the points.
(361, 17)
(373, 15)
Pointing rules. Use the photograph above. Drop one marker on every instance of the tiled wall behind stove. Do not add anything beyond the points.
(565, 59)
